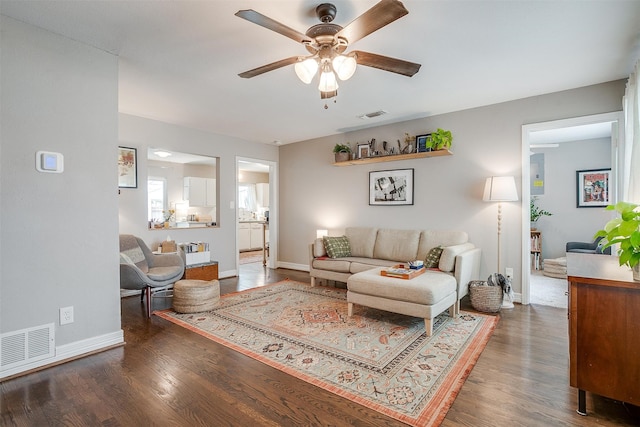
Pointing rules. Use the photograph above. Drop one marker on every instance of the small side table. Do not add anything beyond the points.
(206, 271)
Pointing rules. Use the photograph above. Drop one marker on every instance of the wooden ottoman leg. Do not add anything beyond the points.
(350, 309)
(313, 281)
(428, 326)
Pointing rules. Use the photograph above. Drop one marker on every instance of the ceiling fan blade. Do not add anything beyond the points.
(269, 67)
(271, 24)
(387, 63)
(372, 20)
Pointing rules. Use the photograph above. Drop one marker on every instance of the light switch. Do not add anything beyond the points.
(50, 162)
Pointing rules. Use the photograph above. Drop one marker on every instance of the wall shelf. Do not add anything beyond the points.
(394, 157)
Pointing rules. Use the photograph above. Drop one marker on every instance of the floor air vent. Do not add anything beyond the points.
(27, 345)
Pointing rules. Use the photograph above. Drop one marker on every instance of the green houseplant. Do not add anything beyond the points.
(342, 152)
(625, 231)
(441, 139)
(536, 212)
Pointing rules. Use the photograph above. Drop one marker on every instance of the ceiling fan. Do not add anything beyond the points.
(327, 42)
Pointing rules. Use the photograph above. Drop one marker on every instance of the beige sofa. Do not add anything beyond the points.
(374, 247)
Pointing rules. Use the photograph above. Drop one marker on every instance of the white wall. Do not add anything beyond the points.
(59, 232)
(142, 133)
(569, 223)
(448, 190)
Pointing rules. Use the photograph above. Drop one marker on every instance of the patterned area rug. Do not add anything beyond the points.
(381, 360)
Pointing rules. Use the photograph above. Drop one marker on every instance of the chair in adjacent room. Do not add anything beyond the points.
(594, 247)
(141, 269)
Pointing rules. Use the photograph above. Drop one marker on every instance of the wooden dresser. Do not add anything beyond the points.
(604, 339)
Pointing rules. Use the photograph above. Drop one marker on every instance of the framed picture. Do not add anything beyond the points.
(593, 188)
(393, 187)
(363, 151)
(421, 143)
(127, 168)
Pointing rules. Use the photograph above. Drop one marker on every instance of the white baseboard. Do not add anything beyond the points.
(228, 273)
(293, 266)
(72, 350)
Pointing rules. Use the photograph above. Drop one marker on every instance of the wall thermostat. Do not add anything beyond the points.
(47, 161)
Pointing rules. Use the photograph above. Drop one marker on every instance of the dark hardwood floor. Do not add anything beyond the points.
(168, 376)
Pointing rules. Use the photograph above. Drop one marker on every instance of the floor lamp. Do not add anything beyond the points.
(500, 189)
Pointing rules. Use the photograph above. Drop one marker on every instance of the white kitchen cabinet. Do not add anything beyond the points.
(262, 194)
(244, 236)
(256, 236)
(200, 191)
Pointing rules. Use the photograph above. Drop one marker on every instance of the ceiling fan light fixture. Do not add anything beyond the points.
(306, 70)
(328, 82)
(344, 66)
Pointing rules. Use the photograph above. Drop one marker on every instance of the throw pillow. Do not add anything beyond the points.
(433, 257)
(337, 247)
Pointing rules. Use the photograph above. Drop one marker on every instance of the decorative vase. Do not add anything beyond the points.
(342, 156)
(636, 273)
(534, 224)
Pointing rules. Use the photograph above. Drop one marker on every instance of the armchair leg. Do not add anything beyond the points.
(148, 292)
(142, 295)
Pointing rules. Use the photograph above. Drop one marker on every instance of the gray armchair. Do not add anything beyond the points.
(594, 247)
(141, 269)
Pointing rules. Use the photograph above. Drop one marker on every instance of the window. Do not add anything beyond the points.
(247, 197)
(156, 191)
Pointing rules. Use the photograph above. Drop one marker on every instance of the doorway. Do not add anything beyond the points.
(558, 132)
(256, 212)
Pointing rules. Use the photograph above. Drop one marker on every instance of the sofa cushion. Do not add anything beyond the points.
(361, 240)
(433, 257)
(318, 248)
(429, 239)
(397, 245)
(449, 254)
(338, 265)
(363, 264)
(428, 288)
(337, 247)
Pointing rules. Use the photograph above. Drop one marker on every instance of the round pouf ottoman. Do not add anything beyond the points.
(193, 296)
(555, 267)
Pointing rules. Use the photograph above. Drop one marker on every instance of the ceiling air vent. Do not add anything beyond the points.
(372, 115)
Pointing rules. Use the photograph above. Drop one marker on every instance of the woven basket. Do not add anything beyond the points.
(485, 298)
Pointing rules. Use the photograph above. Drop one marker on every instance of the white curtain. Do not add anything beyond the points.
(631, 147)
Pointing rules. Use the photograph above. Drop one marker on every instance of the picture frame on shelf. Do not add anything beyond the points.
(127, 167)
(592, 188)
(421, 143)
(391, 187)
(363, 151)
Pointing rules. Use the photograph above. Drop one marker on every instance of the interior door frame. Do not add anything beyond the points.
(273, 209)
(617, 134)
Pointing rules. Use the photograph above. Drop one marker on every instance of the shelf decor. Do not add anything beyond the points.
(391, 187)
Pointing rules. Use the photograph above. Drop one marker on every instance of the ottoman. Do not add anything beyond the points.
(193, 296)
(555, 267)
(424, 296)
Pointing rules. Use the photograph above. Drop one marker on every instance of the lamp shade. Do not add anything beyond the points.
(328, 82)
(344, 66)
(306, 70)
(500, 189)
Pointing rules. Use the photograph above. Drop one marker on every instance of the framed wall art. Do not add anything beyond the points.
(391, 187)
(127, 167)
(592, 188)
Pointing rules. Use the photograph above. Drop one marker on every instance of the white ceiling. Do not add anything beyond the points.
(179, 60)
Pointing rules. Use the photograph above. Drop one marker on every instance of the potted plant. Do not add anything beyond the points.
(441, 139)
(536, 212)
(625, 231)
(342, 152)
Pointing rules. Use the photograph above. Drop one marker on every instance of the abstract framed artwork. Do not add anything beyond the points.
(391, 187)
(127, 167)
(592, 188)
